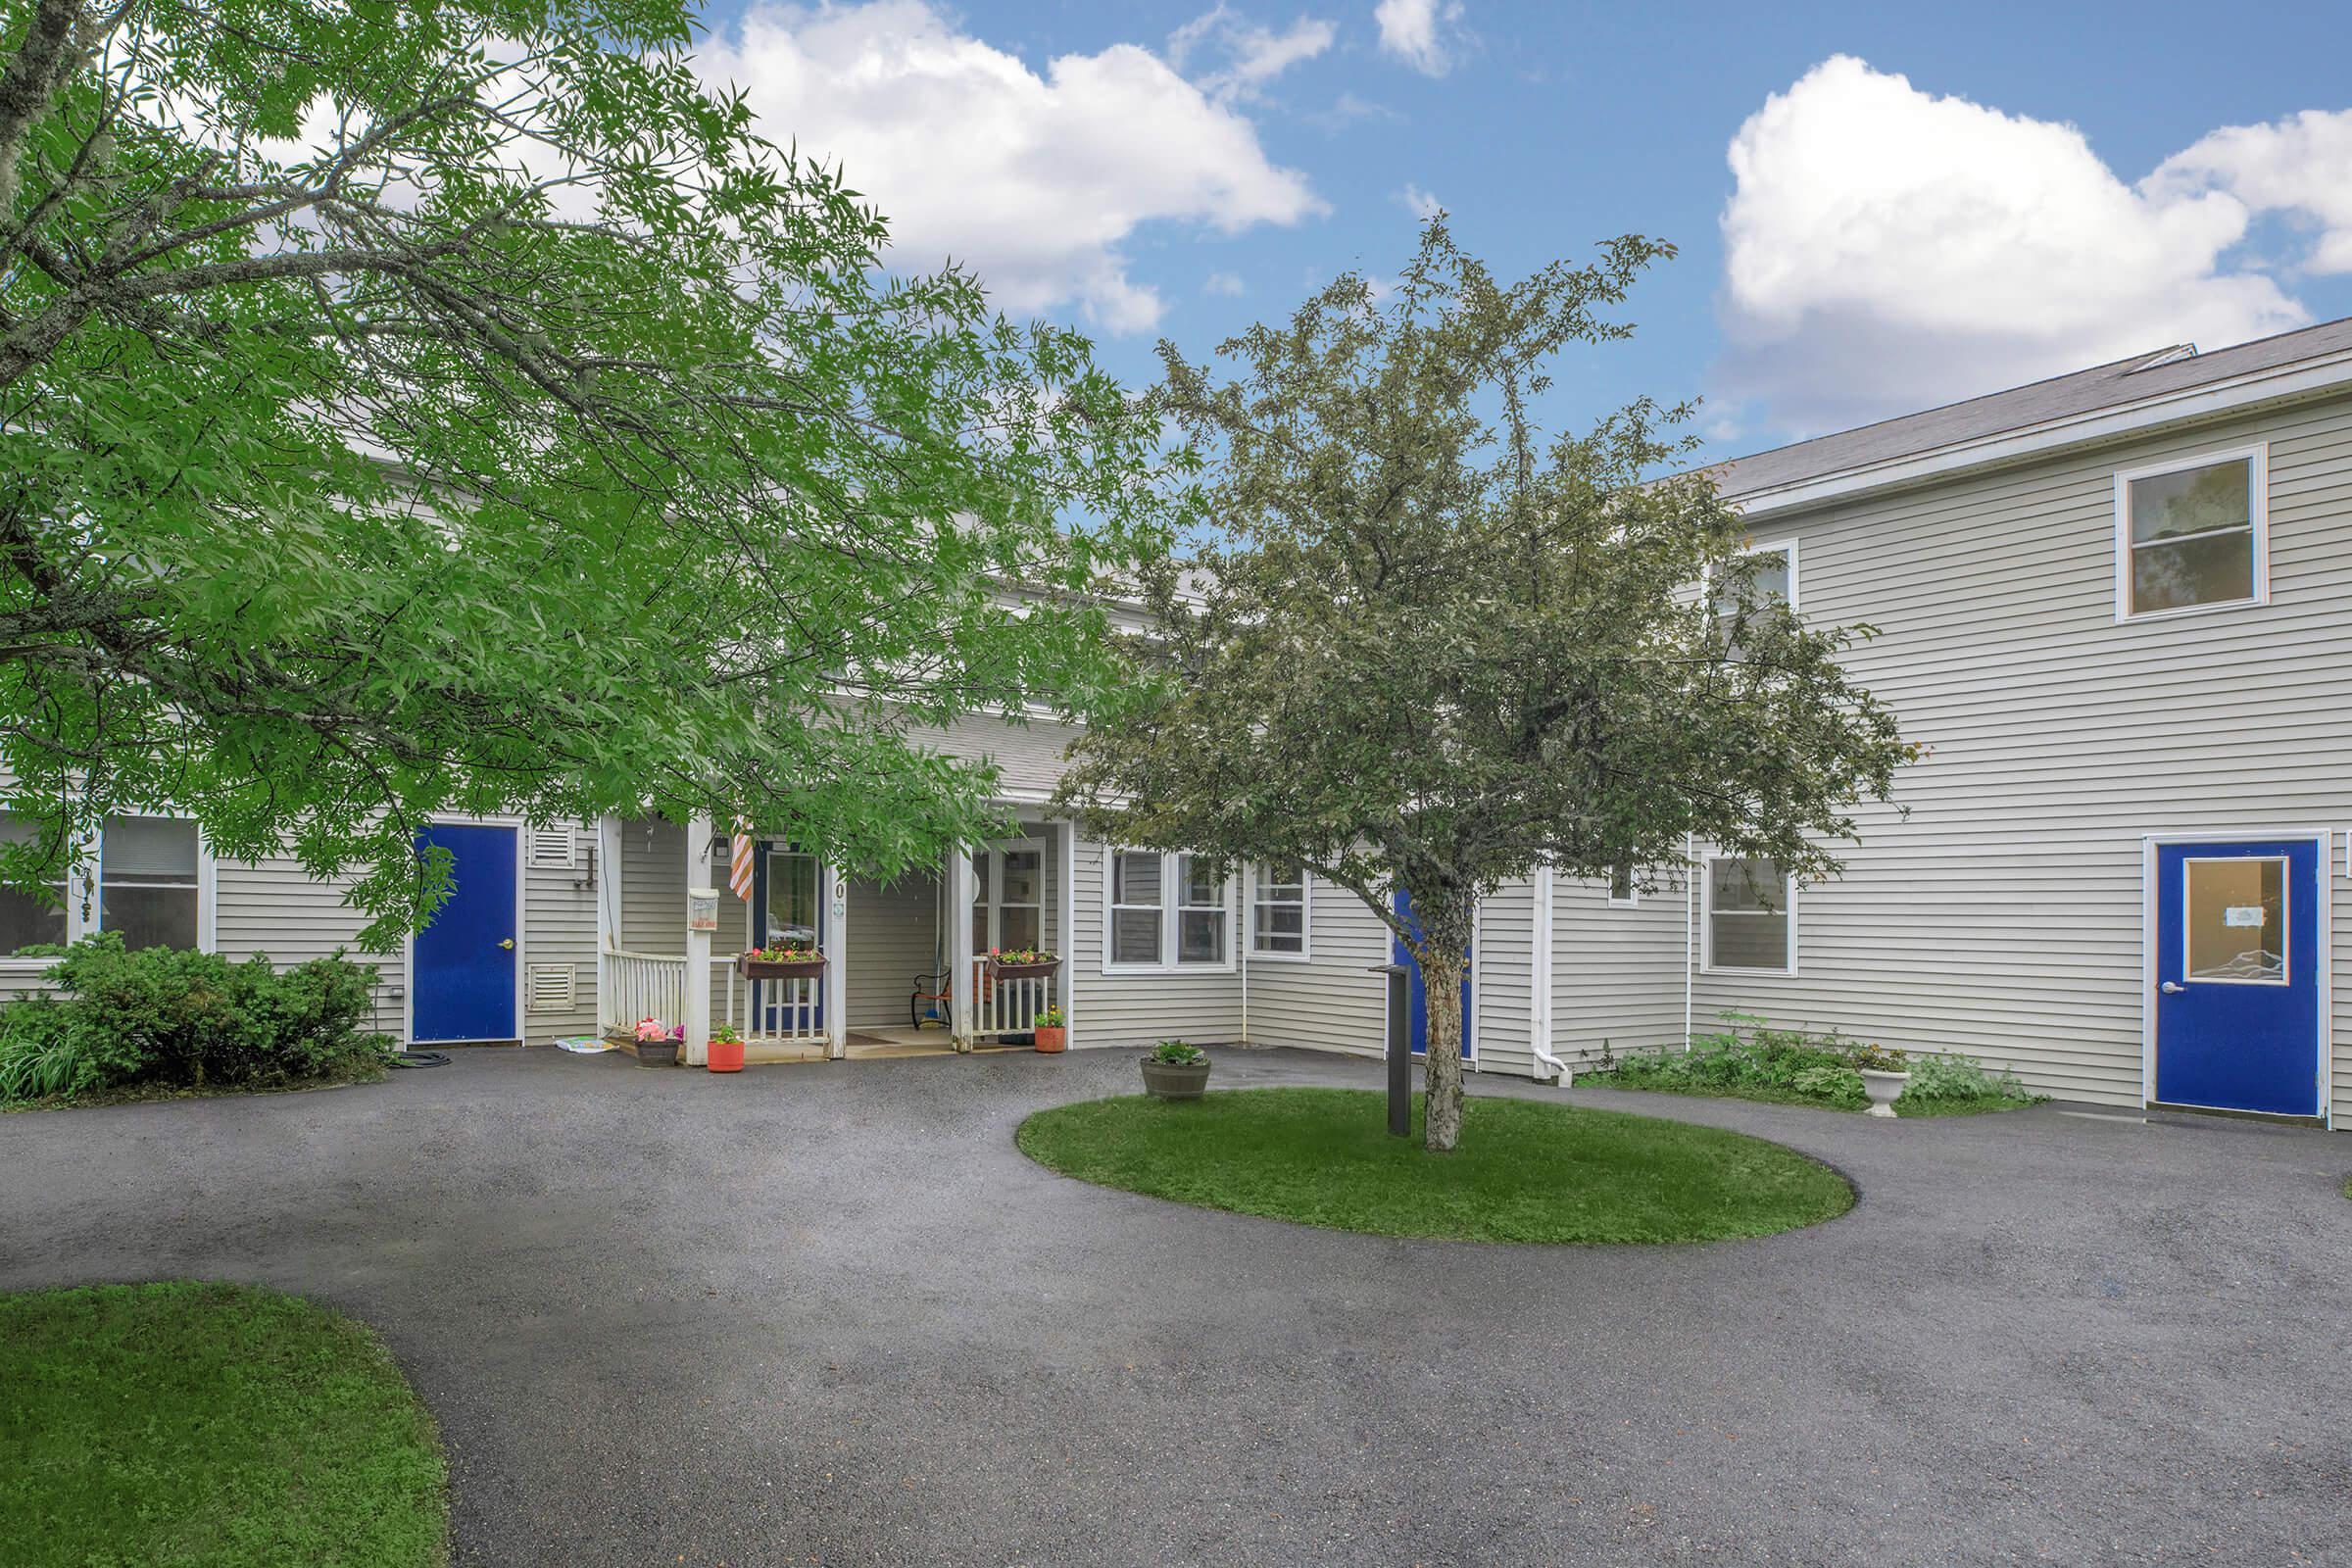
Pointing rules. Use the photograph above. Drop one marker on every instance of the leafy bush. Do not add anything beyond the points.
(1178, 1053)
(1960, 1078)
(179, 1019)
(1820, 1069)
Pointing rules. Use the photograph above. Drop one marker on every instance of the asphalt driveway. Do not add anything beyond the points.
(828, 1314)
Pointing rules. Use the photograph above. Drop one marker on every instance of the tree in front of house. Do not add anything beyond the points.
(1431, 647)
(417, 407)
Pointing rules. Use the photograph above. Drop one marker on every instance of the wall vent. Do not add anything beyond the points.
(555, 846)
(550, 988)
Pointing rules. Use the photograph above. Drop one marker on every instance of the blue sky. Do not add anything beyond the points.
(1928, 201)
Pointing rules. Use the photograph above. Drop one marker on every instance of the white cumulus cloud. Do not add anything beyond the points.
(1888, 250)
(1416, 32)
(1420, 203)
(2302, 165)
(1036, 180)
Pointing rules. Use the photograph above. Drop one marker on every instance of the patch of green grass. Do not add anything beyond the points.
(1526, 1170)
(189, 1425)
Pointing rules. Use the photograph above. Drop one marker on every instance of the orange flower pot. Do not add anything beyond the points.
(1053, 1038)
(727, 1056)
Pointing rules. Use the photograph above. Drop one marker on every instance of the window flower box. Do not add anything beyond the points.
(1022, 965)
(781, 963)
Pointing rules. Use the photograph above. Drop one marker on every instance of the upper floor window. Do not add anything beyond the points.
(1623, 890)
(1278, 911)
(1750, 916)
(1774, 583)
(2191, 535)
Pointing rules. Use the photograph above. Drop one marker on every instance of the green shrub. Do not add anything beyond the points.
(1956, 1077)
(1830, 1085)
(180, 1020)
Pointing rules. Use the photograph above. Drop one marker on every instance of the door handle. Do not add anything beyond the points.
(2172, 988)
(508, 944)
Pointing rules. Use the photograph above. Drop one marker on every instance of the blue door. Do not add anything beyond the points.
(1420, 1005)
(2237, 982)
(465, 961)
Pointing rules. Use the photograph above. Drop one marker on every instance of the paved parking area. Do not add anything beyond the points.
(828, 1314)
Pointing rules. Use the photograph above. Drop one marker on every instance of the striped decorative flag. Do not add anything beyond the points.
(739, 866)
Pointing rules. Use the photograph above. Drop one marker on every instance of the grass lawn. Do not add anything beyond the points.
(187, 1424)
(1526, 1171)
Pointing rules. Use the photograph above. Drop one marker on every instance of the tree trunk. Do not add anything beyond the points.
(1443, 954)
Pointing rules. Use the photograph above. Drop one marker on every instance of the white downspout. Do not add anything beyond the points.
(1540, 982)
(1690, 876)
(1249, 893)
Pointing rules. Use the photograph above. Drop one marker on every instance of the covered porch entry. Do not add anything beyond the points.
(907, 969)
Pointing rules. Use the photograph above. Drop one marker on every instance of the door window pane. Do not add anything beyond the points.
(147, 881)
(791, 899)
(2235, 920)
(2193, 537)
(1024, 875)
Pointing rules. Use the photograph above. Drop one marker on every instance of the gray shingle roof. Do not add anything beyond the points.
(2104, 387)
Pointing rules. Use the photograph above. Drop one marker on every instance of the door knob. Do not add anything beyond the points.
(2172, 988)
(508, 944)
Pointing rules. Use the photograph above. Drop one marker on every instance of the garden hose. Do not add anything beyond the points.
(419, 1058)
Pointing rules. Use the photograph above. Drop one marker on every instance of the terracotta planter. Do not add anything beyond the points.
(1166, 1081)
(1883, 1088)
(724, 1056)
(658, 1052)
(1051, 1039)
(807, 968)
(1023, 972)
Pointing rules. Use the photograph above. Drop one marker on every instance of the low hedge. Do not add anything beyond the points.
(1798, 1068)
(165, 1019)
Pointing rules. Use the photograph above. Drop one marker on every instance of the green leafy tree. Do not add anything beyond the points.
(454, 407)
(1434, 648)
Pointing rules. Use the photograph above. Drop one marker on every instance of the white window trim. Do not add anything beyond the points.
(82, 903)
(1171, 894)
(2258, 508)
(1706, 919)
(1778, 547)
(1632, 897)
(1306, 918)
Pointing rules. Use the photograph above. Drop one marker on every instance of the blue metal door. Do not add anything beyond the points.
(2237, 982)
(465, 961)
(1420, 1003)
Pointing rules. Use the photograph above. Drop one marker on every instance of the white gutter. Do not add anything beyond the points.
(2304, 379)
(1540, 1002)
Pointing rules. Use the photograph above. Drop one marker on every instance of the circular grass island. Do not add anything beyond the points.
(1525, 1171)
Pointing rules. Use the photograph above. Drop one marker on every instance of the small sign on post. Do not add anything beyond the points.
(1400, 1046)
(701, 909)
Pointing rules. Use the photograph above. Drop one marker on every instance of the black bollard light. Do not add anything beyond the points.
(1400, 1046)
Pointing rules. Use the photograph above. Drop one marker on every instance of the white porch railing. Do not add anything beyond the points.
(774, 1011)
(640, 984)
(1008, 1005)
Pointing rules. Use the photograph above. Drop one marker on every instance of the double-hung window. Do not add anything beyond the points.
(149, 888)
(148, 881)
(2193, 535)
(1138, 907)
(1750, 916)
(1278, 911)
(29, 918)
(1772, 586)
(1167, 910)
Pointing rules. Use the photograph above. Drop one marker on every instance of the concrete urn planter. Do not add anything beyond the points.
(1165, 1081)
(1883, 1088)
